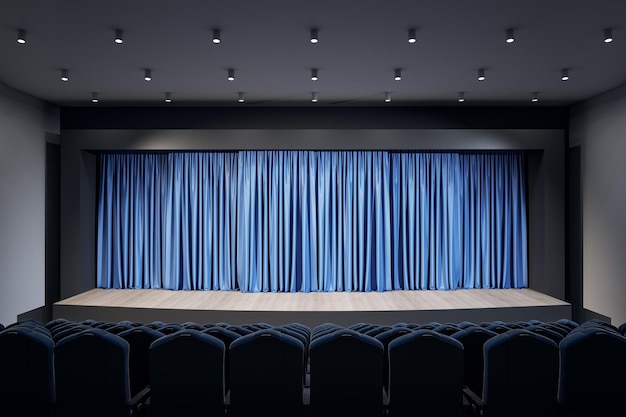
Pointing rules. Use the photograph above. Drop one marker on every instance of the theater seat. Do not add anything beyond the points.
(92, 376)
(593, 373)
(346, 375)
(425, 375)
(187, 375)
(521, 376)
(266, 375)
(473, 340)
(139, 340)
(26, 373)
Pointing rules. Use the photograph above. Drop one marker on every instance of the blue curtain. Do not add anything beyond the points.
(291, 221)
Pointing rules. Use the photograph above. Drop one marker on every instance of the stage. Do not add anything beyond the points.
(312, 309)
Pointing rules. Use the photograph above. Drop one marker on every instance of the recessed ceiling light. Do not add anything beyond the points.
(397, 74)
(147, 75)
(535, 97)
(313, 97)
(314, 37)
(387, 97)
(241, 98)
(119, 36)
(168, 97)
(65, 75)
(94, 97)
(231, 75)
(314, 74)
(217, 36)
(461, 98)
(564, 74)
(481, 74)
(510, 36)
(608, 35)
(412, 38)
(21, 36)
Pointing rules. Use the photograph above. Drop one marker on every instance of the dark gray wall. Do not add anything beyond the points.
(598, 127)
(24, 122)
(78, 170)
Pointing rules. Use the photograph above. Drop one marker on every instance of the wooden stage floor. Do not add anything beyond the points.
(312, 308)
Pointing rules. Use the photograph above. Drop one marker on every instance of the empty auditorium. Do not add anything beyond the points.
(312, 209)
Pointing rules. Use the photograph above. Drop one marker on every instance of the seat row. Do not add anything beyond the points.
(451, 369)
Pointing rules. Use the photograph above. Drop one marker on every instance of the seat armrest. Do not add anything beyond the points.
(474, 402)
(140, 402)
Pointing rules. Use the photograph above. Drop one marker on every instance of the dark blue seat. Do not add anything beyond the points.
(266, 375)
(187, 375)
(27, 373)
(227, 337)
(550, 334)
(92, 376)
(346, 375)
(385, 338)
(193, 326)
(447, 329)
(473, 340)
(425, 375)
(139, 339)
(567, 323)
(170, 328)
(593, 373)
(521, 375)
(68, 331)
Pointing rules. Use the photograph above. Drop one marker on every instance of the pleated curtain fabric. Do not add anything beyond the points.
(288, 221)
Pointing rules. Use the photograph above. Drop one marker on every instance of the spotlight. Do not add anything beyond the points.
(481, 74)
(217, 38)
(314, 74)
(510, 36)
(313, 97)
(398, 74)
(535, 97)
(65, 75)
(412, 38)
(314, 38)
(21, 36)
(461, 98)
(168, 97)
(387, 97)
(119, 36)
(147, 75)
(564, 74)
(231, 74)
(608, 35)
(94, 97)
(241, 97)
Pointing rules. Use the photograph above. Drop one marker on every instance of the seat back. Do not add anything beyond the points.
(473, 340)
(385, 338)
(139, 340)
(92, 365)
(593, 373)
(266, 375)
(187, 375)
(346, 372)
(425, 375)
(521, 375)
(27, 372)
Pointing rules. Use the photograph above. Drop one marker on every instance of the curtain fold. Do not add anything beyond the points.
(287, 221)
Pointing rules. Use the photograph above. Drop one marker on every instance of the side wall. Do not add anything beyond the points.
(24, 122)
(79, 189)
(598, 126)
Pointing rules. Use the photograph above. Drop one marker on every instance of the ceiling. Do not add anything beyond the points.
(361, 44)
